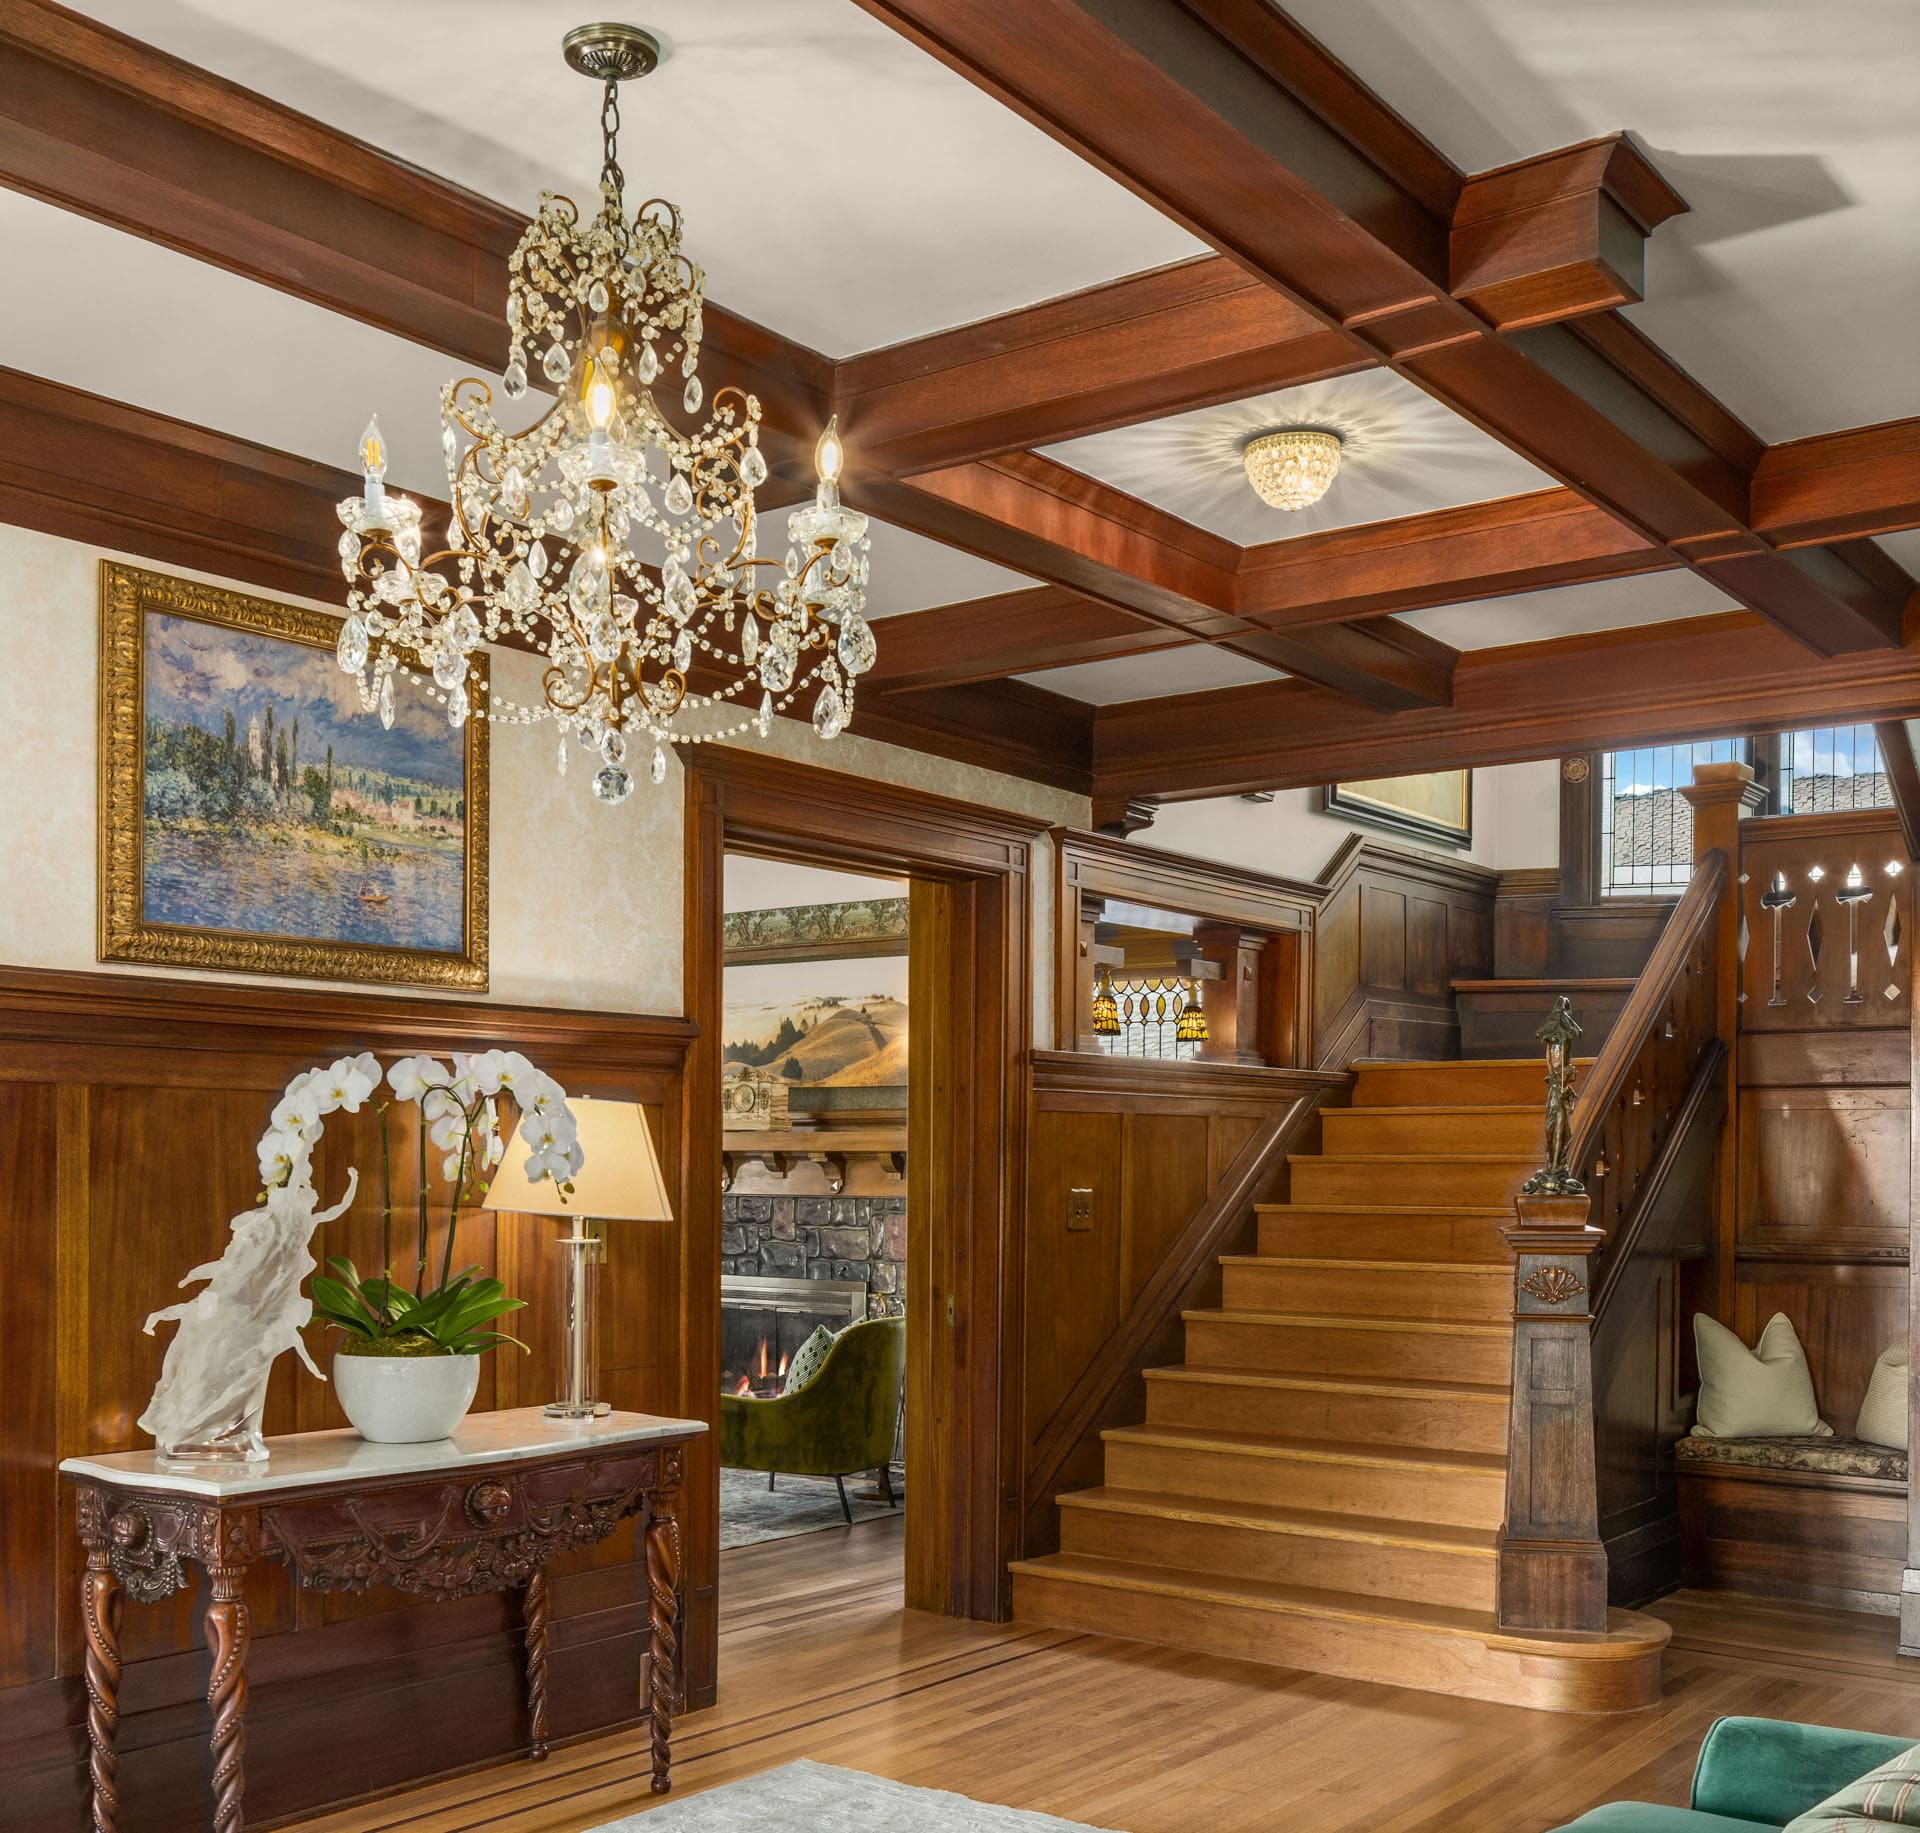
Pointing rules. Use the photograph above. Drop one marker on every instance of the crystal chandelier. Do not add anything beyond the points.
(1292, 469)
(619, 546)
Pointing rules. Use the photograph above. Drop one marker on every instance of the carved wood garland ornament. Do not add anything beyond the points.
(207, 1405)
(538, 546)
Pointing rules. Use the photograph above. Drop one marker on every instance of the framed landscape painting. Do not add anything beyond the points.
(254, 817)
(1435, 807)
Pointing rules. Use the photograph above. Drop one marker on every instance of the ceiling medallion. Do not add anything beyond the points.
(621, 547)
(1292, 469)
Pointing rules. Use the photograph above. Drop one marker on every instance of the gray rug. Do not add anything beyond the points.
(750, 1513)
(824, 1800)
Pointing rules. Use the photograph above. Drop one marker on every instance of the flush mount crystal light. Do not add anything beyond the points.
(1292, 469)
(549, 526)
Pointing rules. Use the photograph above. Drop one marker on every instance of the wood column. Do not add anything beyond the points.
(1722, 796)
(1553, 1569)
(1232, 1001)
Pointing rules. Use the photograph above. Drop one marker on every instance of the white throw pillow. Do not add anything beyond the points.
(1762, 1392)
(1883, 1414)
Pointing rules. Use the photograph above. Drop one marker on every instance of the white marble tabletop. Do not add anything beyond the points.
(303, 1460)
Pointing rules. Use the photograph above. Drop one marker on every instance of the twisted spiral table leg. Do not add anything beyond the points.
(663, 1581)
(228, 1631)
(102, 1603)
(534, 1610)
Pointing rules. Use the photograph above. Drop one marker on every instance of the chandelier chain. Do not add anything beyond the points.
(610, 173)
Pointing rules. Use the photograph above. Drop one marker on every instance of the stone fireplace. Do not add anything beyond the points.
(862, 1239)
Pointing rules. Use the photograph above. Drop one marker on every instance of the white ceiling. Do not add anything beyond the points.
(1606, 604)
(1192, 670)
(1789, 290)
(839, 185)
(1404, 453)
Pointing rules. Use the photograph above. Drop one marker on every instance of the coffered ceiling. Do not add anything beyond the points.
(1623, 456)
(1402, 453)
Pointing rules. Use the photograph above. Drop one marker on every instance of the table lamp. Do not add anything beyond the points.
(619, 1182)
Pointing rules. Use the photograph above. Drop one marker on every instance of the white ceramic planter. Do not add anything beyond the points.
(405, 1400)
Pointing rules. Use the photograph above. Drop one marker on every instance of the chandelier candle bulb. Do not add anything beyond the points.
(373, 462)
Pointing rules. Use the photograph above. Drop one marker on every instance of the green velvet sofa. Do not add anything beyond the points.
(841, 1421)
(1753, 1772)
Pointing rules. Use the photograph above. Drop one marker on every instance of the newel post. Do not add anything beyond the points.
(1722, 796)
(1552, 1567)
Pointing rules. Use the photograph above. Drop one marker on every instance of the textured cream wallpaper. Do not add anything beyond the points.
(586, 899)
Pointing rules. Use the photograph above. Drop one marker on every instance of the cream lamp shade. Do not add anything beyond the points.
(619, 1182)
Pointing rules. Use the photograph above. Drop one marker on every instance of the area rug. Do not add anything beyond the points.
(821, 1799)
(751, 1513)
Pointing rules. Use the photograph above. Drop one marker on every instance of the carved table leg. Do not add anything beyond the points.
(101, 1605)
(228, 1631)
(663, 1581)
(535, 1613)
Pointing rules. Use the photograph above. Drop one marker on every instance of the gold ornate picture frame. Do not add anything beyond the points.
(1436, 806)
(254, 819)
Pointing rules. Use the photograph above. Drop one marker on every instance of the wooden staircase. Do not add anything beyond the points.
(1321, 1483)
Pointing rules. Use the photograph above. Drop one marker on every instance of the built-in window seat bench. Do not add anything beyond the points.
(1823, 1520)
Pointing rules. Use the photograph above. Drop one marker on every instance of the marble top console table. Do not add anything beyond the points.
(485, 1510)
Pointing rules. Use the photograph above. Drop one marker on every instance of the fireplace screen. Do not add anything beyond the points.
(763, 1321)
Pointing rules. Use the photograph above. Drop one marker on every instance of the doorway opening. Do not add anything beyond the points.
(813, 1215)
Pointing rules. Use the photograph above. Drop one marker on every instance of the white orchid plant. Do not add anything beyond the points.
(388, 1314)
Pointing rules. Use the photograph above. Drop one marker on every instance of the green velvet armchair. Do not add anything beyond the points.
(1753, 1772)
(841, 1421)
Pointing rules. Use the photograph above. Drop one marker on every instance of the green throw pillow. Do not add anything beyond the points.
(807, 1359)
(1885, 1797)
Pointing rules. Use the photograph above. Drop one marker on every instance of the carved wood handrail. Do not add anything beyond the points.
(1652, 1012)
(1903, 779)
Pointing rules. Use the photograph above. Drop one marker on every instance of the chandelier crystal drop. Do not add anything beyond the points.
(1292, 469)
(619, 542)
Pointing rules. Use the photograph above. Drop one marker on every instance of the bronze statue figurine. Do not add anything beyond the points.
(1555, 1178)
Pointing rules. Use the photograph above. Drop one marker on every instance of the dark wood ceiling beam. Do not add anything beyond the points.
(1200, 109)
(1480, 550)
(1027, 512)
(1155, 343)
(1696, 678)
(113, 129)
(1011, 633)
(1864, 481)
(1559, 235)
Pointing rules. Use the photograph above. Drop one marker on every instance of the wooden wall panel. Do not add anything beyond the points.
(1825, 1171)
(1396, 930)
(1845, 1314)
(1158, 1144)
(129, 1109)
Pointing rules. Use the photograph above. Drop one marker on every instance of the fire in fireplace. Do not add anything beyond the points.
(764, 1320)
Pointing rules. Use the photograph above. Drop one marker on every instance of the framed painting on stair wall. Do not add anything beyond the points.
(1436, 807)
(256, 816)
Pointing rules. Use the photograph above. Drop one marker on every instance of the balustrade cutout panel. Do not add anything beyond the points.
(1826, 909)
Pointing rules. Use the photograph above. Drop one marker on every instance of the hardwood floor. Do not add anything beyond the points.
(819, 1660)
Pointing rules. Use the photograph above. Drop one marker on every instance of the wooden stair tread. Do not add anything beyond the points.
(1316, 1320)
(1628, 1634)
(1367, 1266)
(1280, 1518)
(1439, 1107)
(1309, 1450)
(1387, 1386)
(1388, 1209)
(1411, 1158)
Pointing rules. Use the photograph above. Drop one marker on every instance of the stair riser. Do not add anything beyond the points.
(1458, 1297)
(1395, 1655)
(1446, 1424)
(1379, 1235)
(1389, 1181)
(1457, 1498)
(1420, 1575)
(1307, 1349)
(1449, 1085)
(1521, 1130)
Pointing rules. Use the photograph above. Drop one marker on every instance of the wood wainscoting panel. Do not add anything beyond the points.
(1396, 929)
(1825, 1172)
(129, 1111)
